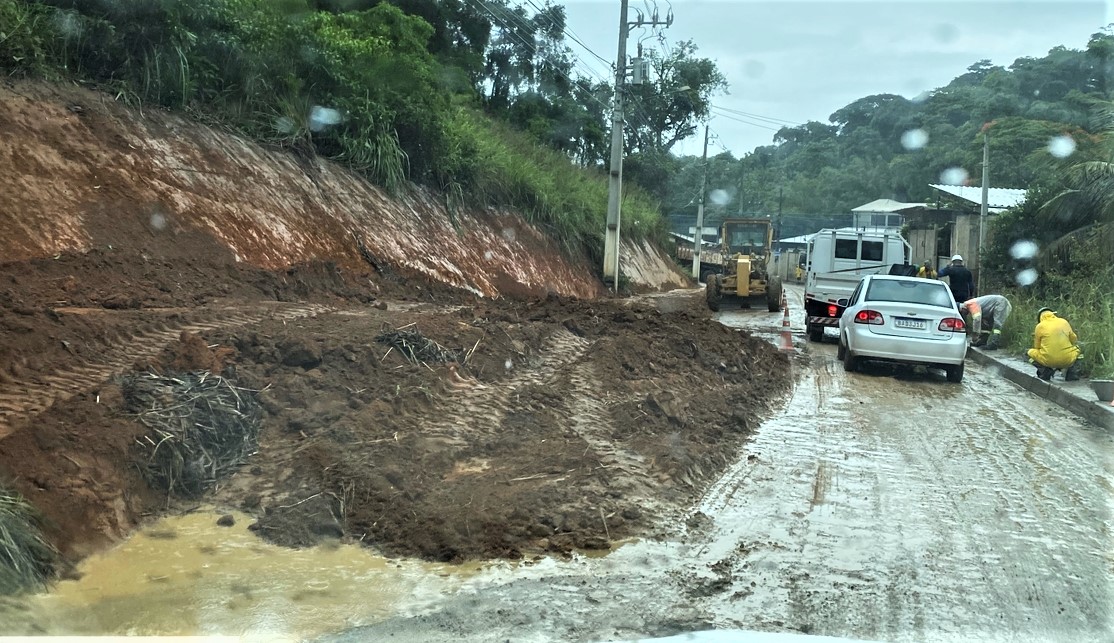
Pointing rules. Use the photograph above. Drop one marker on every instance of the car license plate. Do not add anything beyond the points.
(916, 324)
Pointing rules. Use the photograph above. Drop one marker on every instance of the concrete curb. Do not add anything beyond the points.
(1098, 413)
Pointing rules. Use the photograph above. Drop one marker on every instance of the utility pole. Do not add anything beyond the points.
(780, 201)
(698, 236)
(615, 175)
(984, 207)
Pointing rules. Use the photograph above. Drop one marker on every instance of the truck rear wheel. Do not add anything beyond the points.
(712, 292)
(815, 333)
(773, 294)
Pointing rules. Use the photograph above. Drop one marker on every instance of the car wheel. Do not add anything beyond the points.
(815, 333)
(955, 373)
(841, 350)
(850, 362)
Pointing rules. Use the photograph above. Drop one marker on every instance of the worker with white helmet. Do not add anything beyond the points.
(960, 280)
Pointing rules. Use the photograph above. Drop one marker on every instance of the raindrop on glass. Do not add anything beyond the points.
(914, 139)
(322, 117)
(67, 24)
(285, 125)
(1061, 146)
(488, 255)
(158, 221)
(719, 197)
(1027, 277)
(945, 33)
(954, 176)
(1024, 249)
(509, 234)
(754, 69)
(508, 364)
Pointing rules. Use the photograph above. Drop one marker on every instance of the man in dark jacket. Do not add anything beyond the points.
(960, 280)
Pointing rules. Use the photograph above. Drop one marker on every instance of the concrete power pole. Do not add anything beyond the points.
(698, 234)
(615, 175)
(985, 205)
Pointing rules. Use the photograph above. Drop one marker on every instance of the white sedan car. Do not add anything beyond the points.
(903, 319)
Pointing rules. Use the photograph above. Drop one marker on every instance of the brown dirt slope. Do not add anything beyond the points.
(141, 240)
(82, 171)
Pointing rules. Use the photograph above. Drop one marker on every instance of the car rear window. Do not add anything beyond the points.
(930, 293)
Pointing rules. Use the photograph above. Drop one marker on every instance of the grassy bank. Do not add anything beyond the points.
(1085, 303)
(360, 88)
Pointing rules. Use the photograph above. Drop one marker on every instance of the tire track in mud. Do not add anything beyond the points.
(25, 398)
(1019, 471)
(480, 409)
(864, 517)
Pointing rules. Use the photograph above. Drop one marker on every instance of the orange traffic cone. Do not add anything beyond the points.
(786, 334)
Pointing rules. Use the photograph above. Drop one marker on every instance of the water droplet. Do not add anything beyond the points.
(719, 197)
(1061, 146)
(945, 33)
(1024, 249)
(914, 139)
(1027, 277)
(488, 255)
(322, 117)
(67, 24)
(285, 125)
(158, 221)
(509, 234)
(508, 364)
(954, 176)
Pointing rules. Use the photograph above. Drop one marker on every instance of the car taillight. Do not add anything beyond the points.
(832, 310)
(953, 325)
(868, 317)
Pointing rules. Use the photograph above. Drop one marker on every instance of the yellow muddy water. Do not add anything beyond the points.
(185, 575)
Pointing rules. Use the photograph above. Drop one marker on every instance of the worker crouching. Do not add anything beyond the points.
(1054, 347)
(987, 313)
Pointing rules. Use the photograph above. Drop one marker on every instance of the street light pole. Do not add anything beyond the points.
(615, 175)
(698, 234)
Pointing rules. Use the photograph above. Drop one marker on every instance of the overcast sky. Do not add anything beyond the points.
(790, 60)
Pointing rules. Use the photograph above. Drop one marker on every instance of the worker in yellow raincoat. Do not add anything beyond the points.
(1054, 347)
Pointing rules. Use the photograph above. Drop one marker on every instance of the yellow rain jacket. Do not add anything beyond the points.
(1054, 342)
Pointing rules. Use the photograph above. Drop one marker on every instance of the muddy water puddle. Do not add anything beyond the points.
(186, 575)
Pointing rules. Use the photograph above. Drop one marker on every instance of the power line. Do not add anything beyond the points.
(521, 22)
(572, 34)
(746, 122)
(758, 116)
(533, 49)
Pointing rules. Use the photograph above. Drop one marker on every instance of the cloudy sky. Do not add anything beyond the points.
(794, 61)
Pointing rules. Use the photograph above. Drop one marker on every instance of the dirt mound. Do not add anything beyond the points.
(567, 424)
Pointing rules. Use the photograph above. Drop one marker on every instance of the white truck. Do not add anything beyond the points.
(836, 260)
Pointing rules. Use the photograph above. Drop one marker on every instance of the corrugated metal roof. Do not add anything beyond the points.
(995, 197)
(886, 205)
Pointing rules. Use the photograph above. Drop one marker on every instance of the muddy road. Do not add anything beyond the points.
(883, 505)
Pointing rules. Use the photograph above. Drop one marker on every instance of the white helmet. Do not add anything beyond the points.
(957, 258)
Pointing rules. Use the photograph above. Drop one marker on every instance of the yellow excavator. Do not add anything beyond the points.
(742, 272)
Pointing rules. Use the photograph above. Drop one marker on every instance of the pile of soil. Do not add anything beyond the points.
(569, 424)
(566, 424)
